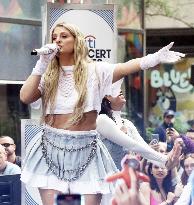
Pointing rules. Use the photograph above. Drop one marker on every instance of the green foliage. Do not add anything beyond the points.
(181, 124)
(166, 8)
(149, 131)
(159, 7)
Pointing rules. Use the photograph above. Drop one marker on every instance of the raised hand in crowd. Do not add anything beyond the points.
(128, 196)
(154, 145)
(174, 156)
(172, 134)
(170, 197)
(186, 142)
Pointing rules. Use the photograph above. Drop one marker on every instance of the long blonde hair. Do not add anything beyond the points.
(80, 74)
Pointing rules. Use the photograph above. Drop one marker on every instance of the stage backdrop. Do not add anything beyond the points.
(97, 22)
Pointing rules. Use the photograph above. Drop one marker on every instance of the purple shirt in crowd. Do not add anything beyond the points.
(189, 144)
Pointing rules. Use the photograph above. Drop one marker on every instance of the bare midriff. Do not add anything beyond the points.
(87, 123)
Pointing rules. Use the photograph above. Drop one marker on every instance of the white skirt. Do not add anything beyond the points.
(67, 161)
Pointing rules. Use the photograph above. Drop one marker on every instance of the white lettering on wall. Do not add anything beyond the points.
(178, 81)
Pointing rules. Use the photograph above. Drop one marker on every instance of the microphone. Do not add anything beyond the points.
(45, 50)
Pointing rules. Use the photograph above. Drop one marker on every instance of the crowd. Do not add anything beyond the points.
(9, 163)
(167, 186)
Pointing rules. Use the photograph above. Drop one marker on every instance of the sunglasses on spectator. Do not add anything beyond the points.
(6, 144)
(170, 116)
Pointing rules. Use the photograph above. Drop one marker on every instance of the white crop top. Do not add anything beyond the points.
(99, 84)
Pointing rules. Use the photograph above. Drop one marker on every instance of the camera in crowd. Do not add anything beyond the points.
(69, 199)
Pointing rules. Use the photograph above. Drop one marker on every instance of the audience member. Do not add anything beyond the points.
(186, 142)
(7, 168)
(190, 134)
(191, 123)
(159, 147)
(161, 189)
(10, 148)
(159, 177)
(187, 195)
(68, 199)
(188, 166)
(125, 196)
(168, 118)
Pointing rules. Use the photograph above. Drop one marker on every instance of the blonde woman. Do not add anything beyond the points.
(68, 155)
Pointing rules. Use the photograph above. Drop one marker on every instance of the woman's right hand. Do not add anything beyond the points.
(171, 134)
(45, 59)
(53, 48)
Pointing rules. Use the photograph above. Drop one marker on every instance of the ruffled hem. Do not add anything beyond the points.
(79, 187)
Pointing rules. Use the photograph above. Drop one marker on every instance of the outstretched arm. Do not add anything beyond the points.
(164, 55)
(108, 129)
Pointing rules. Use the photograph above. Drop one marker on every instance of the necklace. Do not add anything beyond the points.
(114, 119)
(116, 116)
(66, 81)
(121, 124)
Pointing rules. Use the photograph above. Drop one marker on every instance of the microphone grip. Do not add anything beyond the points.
(46, 50)
(34, 53)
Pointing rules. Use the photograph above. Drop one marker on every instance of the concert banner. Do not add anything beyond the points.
(97, 22)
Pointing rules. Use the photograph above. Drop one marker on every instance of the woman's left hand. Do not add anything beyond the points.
(174, 156)
(170, 197)
(164, 55)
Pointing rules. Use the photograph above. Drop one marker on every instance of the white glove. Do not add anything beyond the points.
(45, 59)
(164, 55)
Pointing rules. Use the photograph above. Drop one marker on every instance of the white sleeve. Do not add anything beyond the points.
(108, 129)
(104, 73)
(185, 196)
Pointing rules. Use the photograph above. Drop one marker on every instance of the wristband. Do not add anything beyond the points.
(149, 61)
(40, 68)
